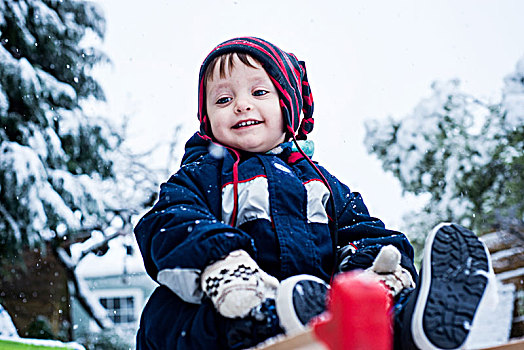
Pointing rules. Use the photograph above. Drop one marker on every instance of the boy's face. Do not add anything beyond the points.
(243, 108)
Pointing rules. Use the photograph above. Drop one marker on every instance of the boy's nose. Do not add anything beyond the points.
(241, 109)
(242, 105)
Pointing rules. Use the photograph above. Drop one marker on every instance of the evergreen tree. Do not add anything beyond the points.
(64, 170)
(463, 153)
(52, 155)
(61, 167)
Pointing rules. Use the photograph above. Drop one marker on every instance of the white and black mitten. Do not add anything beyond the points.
(236, 284)
(386, 268)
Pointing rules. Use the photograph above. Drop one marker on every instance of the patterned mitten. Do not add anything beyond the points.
(236, 284)
(386, 268)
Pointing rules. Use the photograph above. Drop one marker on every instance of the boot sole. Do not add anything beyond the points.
(455, 269)
(299, 299)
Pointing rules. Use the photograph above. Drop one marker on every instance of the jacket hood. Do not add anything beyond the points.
(285, 70)
(196, 147)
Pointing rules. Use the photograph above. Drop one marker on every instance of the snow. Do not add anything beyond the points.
(53, 144)
(504, 276)
(98, 310)
(40, 187)
(369, 59)
(30, 85)
(446, 139)
(77, 192)
(36, 141)
(45, 17)
(513, 100)
(40, 197)
(7, 328)
(29, 182)
(2, 9)
(9, 64)
(28, 174)
(216, 151)
(492, 324)
(515, 251)
(58, 91)
(20, 10)
(514, 104)
(493, 239)
(69, 122)
(46, 343)
(114, 263)
(4, 103)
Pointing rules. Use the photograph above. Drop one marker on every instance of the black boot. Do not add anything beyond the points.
(454, 277)
(299, 299)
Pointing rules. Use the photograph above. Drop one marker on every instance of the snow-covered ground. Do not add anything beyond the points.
(8, 333)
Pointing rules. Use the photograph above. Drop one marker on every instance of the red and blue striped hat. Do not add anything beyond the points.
(287, 73)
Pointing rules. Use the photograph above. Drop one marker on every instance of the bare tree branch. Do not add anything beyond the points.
(91, 305)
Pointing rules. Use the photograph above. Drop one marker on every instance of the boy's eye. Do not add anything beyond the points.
(223, 100)
(259, 92)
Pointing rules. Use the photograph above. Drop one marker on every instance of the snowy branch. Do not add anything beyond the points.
(12, 222)
(100, 245)
(89, 303)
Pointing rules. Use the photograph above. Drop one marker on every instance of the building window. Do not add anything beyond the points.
(121, 310)
(123, 306)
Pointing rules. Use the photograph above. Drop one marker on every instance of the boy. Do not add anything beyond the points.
(246, 234)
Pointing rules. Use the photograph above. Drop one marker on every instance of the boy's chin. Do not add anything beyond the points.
(255, 149)
(267, 147)
(253, 144)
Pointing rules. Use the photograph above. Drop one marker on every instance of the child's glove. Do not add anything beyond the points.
(236, 284)
(386, 268)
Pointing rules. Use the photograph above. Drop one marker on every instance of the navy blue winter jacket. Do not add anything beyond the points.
(281, 220)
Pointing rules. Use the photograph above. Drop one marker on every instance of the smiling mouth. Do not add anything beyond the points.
(246, 123)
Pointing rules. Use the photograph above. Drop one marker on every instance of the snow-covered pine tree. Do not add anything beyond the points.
(62, 167)
(52, 156)
(463, 153)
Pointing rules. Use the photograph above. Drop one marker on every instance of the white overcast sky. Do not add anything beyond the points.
(365, 59)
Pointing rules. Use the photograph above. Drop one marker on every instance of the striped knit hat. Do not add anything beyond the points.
(286, 72)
